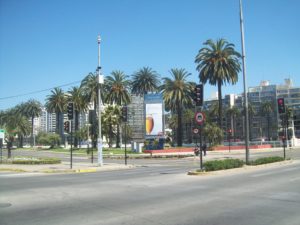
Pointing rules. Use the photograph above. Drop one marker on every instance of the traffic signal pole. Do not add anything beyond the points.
(71, 152)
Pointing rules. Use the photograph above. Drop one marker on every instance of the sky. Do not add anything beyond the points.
(50, 43)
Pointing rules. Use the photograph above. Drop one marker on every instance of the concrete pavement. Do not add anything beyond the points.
(64, 167)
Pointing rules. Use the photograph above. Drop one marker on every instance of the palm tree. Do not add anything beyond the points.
(177, 94)
(251, 113)
(188, 118)
(145, 80)
(31, 109)
(56, 103)
(266, 109)
(80, 105)
(233, 112)
(218, 63)
(213, 134)
(90, 87)
(110, 119)
(15, 124)
(117, 86)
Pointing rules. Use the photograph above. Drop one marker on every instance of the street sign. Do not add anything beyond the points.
(2, 132)
(199, 117)
(195, 131)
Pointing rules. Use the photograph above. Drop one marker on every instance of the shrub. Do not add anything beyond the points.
(35, 161)
(266, 160)
(223, 164)
(48, 139)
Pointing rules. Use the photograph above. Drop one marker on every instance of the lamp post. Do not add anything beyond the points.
(245, 85)
(100, 81)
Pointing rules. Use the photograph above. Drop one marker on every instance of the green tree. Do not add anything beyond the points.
(145, 80)
(76, 95)
(31, 109)
(57, 103)
(48, 139)
(218, 63)
(117, 86)
(266, 109)
(177, 95)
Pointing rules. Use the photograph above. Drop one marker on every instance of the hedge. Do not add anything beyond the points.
(35, 161)
(266, 160)
(223, 164)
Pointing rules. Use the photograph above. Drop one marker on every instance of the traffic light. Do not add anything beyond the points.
(198, 95)
(124, 113)
(67, 126)
(280, 104)
(70, 110)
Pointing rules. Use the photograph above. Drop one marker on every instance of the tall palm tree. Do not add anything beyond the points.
(56, 103)
(117, 86)
(177, 94)
(90, 87)
(218, 63)
(78, 98)
(266, 109)
(31, 109)
(145, 80)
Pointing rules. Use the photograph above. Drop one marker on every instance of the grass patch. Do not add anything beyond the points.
(266, 160)
(223, 164)
(34, 161)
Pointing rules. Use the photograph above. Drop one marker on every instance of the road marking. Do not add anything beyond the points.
(19, 174)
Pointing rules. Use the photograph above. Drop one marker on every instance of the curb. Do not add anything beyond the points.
(70, 171)
(12, 170)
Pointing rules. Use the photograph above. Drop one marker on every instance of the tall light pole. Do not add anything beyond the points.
(100, 81)
(245, 85)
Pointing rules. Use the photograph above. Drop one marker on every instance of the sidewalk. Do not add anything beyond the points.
(64, 167)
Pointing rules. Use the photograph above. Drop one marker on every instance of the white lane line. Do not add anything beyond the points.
(19, 174)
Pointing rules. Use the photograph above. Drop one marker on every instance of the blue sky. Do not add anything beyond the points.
(48, 43)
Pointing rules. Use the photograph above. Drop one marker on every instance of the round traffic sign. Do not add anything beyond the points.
(199, 117)
(195, 130)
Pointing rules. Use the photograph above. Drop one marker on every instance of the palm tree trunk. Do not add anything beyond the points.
(110, 136)
(118, 137)
(268, 127)
(57, 123)
(179, 125)
(76, 128)
(220, 103)
(32, 130)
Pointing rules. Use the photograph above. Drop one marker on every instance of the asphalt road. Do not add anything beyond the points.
(154, 194)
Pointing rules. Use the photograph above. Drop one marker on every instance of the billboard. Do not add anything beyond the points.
(154, 115)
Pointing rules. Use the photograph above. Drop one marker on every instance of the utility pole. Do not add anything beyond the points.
(245, 85)
(100, 81)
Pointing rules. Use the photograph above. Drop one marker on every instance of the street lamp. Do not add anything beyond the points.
(245, 85)
(100, 81)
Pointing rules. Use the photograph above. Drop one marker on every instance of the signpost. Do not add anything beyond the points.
(199, 118)
(2, 132)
